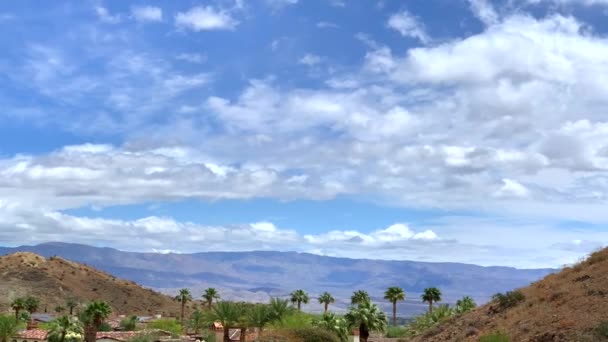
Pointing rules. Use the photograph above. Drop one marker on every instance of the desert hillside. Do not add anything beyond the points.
(55, 279)
(566, 306)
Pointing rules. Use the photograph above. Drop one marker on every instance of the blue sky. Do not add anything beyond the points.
(438, 130)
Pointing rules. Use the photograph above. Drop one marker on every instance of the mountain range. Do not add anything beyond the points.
(257, 275)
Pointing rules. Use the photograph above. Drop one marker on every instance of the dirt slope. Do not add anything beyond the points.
(566, 306)
(55, 279)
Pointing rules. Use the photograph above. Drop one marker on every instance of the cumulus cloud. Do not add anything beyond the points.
(205, 18)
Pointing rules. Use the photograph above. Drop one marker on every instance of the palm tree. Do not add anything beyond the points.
(59, 309)
(326, 298)
(393, 295)
(31, 304)
(259, 316)
(9, 327)
(60, 327)
(93, 316)
(279, 308)
(197, 321)
(367, 317)
(210, 295)
(431, 295)
(18, 305)
(333, 323)
(229, 314)
(359, 296)
(183, 297)
(71, 304)
(298, 297)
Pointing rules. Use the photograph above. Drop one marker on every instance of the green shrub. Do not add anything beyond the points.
(509, 299)
(602, 330)
(597, 257)
(170, 325)
(105, 327)
(495, 337)
(295, 320)
(129, 324)
(395, 331)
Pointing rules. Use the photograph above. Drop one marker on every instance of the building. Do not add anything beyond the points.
(32, 335)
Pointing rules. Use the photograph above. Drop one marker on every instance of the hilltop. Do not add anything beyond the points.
(566, 306)
(55, 279)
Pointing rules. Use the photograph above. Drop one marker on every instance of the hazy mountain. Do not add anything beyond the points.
(257, 275)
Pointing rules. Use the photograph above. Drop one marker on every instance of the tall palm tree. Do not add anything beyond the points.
(60, 327)
(326, 298)
(31, 304)
(183, 297)
(368, 317)
(359, 296)
(210, 295)
(9, 327)
(197, 321)
(393, 295)
(298, 297)
(431, 295)
(93, 317)
(229, 314)
(279, 308)
(18, 305)
(71, 304)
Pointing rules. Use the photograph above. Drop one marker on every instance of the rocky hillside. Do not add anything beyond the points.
(55, 279)
(566, 306)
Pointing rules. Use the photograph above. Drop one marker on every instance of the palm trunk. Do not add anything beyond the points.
(430, 306)
(395, 313)
(17, 314)
(71, 311)
(210, 303)
(226, 334)
(363, 333)
(183, 309)
(243, 335)
(299, 303)
(90, 334)
(326, 305)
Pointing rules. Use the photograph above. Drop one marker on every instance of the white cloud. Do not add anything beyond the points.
(280, 4)
(104, 15)
(147, 13)
(484, 10)
(310, 60)
(326, 24)
(192, 57)
(408, 26)
(205, 18)
(512, 188)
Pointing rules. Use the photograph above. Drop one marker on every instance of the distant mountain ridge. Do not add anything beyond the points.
(257, 275)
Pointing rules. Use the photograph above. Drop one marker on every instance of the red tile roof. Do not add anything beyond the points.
(33, 334)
